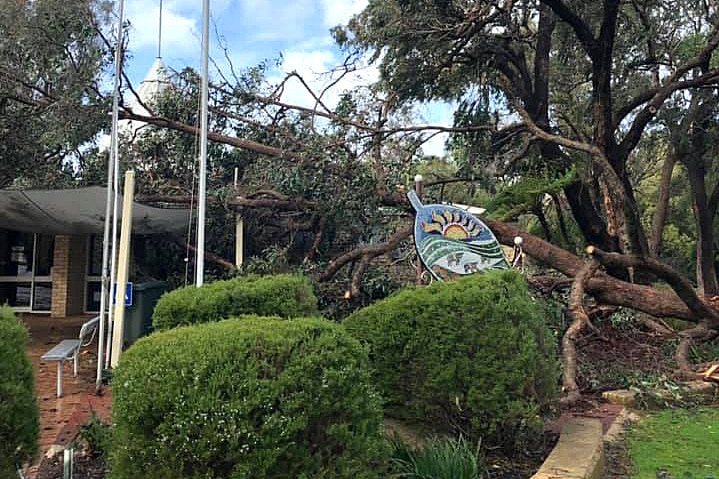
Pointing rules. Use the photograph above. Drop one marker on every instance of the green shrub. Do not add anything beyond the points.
(283, 295)
(252, 397)
(19, 423)
(472, 356)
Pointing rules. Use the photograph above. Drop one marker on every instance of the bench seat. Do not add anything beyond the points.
(70, 348)
(62, 351)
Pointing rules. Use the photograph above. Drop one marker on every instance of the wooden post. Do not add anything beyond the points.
(239, 243)
(123, 265)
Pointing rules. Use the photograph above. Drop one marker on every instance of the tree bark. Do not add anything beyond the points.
(702, 311)
(569, 340)
(605, 288)
(660, 214)
(706, 271)
(701, 332)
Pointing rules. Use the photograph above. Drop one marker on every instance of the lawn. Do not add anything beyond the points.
(680, 443)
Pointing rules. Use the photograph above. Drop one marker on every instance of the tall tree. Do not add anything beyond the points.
(573, 71)
(51, 64)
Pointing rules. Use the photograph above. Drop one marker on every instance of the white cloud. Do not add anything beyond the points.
(179, 29)
(274, 21)
(338, 12)
(435, 145)
(317, 68)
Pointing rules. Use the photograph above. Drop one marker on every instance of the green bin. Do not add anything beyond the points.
(138, 317)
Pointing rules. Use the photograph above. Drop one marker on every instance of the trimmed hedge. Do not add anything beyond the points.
(253, 397)
(19, 419)
(282, 295)
(471, 356)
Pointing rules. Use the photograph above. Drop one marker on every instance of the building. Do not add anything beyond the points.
(51, 247)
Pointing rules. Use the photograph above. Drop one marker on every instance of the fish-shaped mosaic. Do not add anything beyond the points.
(452, 242)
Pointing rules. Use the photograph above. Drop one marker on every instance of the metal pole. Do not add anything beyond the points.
(159, 34)
(105, 283)
(113, 256)
(418, 266)
(202, 200)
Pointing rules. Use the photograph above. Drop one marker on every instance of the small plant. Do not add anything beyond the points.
(97, 436)
(440, 458)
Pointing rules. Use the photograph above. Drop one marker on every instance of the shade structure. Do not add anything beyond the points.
(79, 211)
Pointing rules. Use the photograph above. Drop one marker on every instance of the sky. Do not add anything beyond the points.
(250, 31)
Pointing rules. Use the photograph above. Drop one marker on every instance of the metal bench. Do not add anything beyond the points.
(70, 348)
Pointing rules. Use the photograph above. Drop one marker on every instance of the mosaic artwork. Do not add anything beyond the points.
(452, 242)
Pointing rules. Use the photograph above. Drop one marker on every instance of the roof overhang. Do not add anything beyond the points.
(80, 211)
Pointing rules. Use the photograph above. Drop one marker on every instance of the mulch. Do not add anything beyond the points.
(86, 466)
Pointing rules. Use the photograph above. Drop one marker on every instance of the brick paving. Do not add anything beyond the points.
(61, 418)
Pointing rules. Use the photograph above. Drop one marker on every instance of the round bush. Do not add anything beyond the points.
(246, 398)
(282, 295)
(471, 356)
(19, 423)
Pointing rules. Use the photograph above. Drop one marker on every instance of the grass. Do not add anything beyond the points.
(678, 444)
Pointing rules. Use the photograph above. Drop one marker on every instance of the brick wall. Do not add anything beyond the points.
(68, 276)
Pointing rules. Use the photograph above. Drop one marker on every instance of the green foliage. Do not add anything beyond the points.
(19, 423)
(440, 458)
(97, 436)
(253, 397)
(473, 356)
(675, 443)
(51, 51)
(526, 194)
(282, 295)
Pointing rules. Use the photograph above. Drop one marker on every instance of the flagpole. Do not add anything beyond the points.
(110, 199)
(202, 200)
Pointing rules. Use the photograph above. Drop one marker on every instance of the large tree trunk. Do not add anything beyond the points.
(706, 271)
(591, 224)
(660, 214)
(692, 136)
(605, 288)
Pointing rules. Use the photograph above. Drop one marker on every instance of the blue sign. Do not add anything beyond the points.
(452, 242)
(128, 294)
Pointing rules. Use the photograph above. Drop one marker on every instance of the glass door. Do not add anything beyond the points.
(42, 273)
(93, 274)
(25, 271)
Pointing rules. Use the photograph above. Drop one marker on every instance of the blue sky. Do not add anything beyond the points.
(254, 30)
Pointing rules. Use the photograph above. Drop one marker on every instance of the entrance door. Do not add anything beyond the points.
(25, 271)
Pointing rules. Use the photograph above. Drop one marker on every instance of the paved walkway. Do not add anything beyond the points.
(60, 418)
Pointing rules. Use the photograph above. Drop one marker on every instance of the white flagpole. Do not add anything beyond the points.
(202, 200)
(111, 176)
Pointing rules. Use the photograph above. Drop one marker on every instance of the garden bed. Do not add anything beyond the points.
(86, 466)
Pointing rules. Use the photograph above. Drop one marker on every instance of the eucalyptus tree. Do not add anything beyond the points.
(51, 71)
(585, 78)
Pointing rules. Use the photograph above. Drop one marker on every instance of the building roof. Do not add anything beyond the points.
(79, 211)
